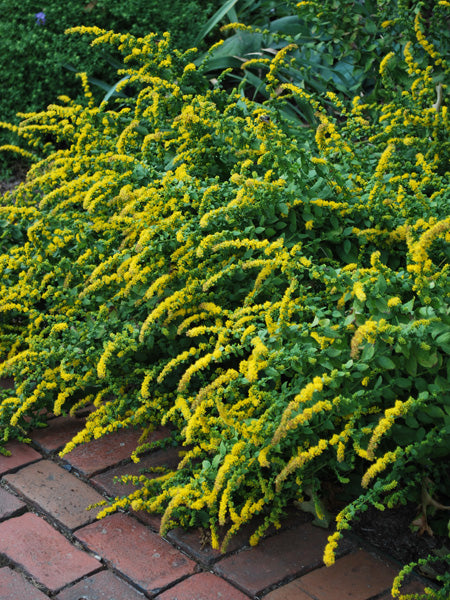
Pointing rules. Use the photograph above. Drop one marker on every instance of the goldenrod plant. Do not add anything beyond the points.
(277, 297)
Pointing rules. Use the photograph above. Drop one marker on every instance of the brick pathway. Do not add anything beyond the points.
(52, 547)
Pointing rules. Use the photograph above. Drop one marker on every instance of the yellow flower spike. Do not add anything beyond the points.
(385, 62)
(329, 555)
(297, 462)
(217, 383)
(301, 94)
(379, 466)
(305, 395)
(394, 301)
(426, 44)
(201, 363)
(385, 423)
(366, 332)
(358, 291)
(418, 249)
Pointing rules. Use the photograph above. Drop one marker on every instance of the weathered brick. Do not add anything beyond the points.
(43, 552)
(357, 576)
(98, 455)
(56, 492)
(286, 554)
(58, 432)
(291, 591)
(6, 383)
(136, 552)
(9, 505)
(203, 586)
(161, 458)
(196, 544)
(101, 586)
(149, 519)
(21, 454)
(13, 586)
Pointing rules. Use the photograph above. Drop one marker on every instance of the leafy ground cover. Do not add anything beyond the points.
(277, 296)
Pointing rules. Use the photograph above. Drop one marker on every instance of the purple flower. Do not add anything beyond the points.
(40, 18)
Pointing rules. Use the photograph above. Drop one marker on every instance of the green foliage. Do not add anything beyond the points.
(277, 298)
(325, 52)
(38, 59)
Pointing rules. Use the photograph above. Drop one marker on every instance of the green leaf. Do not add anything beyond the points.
(426, 358)
(411, 365)
(382, 285)
(113, 88)
(443, 339)
(216, 18)
(368, 352)
(385, 362)
(411, 421)
(434, 411)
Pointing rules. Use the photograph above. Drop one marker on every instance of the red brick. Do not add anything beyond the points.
(101, 586)
(357, 576)
(150, 520)
(203, 586)
(58, 432)
(14, 586)
(56, 492)
(136, 552)
(195, 543)
(105, 480)
(43, 552)
(160, 458)
(98, 455)
(291, 591)
(9, 504)
(21, 454)
(286, 554)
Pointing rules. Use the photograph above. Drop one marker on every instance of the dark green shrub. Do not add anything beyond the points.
(36, 53)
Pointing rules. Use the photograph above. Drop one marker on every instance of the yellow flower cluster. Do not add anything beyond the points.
(390, 414)
(297, 462)
(426, 44)
(367, 331)
(380, 465)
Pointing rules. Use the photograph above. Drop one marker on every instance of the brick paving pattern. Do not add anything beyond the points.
(282, 556)
(153, 563)
(57, 492)
(52, 548)
(10, 505)
(21, 455)
(60, 430)
(43, 552)
(101, 586)
(13, 585)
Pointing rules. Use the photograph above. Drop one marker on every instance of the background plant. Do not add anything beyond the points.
(280, 300)
(325, 53)
(38, 60)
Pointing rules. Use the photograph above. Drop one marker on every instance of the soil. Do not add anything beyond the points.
(19, 175)
(389, 531)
